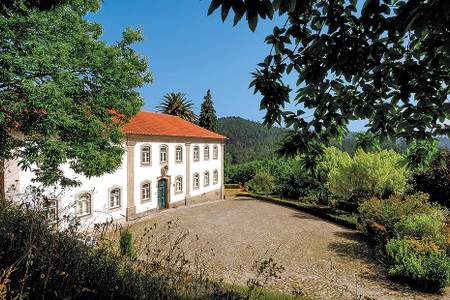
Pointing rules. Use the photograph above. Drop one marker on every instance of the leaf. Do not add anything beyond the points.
(213, 6)
(225, 10)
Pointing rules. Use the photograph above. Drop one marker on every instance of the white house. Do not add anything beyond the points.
(168, 162)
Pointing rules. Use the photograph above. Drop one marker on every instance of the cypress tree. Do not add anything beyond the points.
(208, 118)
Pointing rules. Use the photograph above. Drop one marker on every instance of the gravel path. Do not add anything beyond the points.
(322, 259)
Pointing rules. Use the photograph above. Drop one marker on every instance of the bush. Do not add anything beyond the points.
(43, 264)
(429, 271)
(366, 175)
(126, 244)
(262, 183)
(435, 180)
(378, 217)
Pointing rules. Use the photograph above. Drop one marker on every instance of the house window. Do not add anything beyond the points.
(196, 180)
(179, 154)
(206, 178)
(146, 191)
(146, 155)
(163, 154)
(114, 198)
(178, 184)
(206, 153)
(83, 205)
(215, 177)
(51, 210)
(215, 152)
(196, 153)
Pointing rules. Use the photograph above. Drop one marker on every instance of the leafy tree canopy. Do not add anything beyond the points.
(176, 104)
(384, 61)
(64, 94)
(208, 118)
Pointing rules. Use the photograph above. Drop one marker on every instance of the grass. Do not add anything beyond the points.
(329, 213)
(264, 294)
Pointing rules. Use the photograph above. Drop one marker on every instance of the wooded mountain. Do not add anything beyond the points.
(249, 140)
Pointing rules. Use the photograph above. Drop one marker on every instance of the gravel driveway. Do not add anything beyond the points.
(322, 259)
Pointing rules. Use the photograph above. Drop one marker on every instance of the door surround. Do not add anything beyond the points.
(167, 179)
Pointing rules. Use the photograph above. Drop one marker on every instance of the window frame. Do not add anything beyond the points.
(206, 153)
(179, 191)
(195, 176)
(215, 152)
(179, 149)
(143, 183)
(149, 163)
(215, 176)
(110, 191)
(77, 200)
(196, 149)
(47, 206)
(205, 181)
(164, 146)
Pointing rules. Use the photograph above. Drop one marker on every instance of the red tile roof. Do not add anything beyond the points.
(157, 124)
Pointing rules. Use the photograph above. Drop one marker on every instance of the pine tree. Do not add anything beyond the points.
(208, 118)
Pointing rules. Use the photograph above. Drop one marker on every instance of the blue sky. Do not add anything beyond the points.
(190, 52)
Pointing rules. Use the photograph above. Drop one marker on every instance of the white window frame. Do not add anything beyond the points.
(83, 207)
(215, 152)
(179, 154)
(206, 152)
(196, 153)
(163, 154)
(146, 156)
(196, 181)
(216, 176)
(148, 195)
(117, 201)
(51, 209)
(178, 184)
(206, 178)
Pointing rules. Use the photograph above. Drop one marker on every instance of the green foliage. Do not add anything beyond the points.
(428, 271)
(413, 235)
(419, 154)
(378, 217)
(64, 93)
(382, 61)
(367, 142)
(208, 118)
(248, 140)
(261, 183)
(367, 175)
(435, 179)
(46, 264)
(176, 104)
(126, 244)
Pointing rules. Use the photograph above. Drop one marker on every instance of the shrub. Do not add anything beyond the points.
(126, 244)
(378, 217)
(428, 225)
(262, 183)
(429, 271)
(367, 175)
(435, 180)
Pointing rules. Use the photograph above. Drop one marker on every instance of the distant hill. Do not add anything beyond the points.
(248, 140)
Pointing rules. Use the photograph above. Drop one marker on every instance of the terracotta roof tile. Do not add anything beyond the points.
(151, 123)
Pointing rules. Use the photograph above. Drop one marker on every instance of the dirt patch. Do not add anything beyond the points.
(325, 260)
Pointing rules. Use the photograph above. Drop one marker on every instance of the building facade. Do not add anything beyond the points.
(168, 162)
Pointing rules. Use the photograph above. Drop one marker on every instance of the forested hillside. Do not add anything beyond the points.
(248, 140)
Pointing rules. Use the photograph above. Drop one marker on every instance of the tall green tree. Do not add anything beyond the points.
(384, 61)
(208, 118)
(64, 93)
(367, 142)
(176, 104)
(419, 155)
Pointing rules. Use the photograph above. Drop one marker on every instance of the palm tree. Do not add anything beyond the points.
(176, 104)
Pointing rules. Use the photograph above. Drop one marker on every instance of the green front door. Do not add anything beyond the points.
(162, 193)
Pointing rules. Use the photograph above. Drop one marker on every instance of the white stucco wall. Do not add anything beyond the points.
(99, 187)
